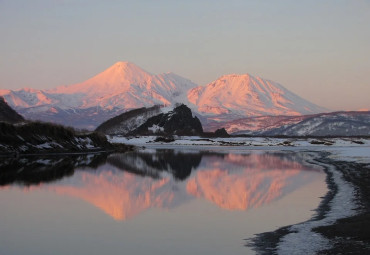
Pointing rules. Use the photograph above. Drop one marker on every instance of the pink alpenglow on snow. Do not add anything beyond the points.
(125, 86)
(247, 95)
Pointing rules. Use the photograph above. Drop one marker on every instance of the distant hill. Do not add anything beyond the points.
(327, 124)
(253, 125)
(7, 114)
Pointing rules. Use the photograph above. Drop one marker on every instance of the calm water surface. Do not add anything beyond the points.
(153, 201)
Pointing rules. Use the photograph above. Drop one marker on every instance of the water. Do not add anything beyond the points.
(153, 201)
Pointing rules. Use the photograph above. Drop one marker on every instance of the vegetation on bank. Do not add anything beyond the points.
(39, 137)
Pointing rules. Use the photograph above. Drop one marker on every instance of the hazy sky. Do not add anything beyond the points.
(317, 49)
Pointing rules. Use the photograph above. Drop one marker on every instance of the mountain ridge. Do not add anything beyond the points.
(125, 86)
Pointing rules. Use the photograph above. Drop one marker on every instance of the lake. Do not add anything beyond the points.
(153, 201)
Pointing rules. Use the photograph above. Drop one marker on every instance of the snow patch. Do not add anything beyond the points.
(156, 129)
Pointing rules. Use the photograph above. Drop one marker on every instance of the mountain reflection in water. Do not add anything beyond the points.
(123, 185)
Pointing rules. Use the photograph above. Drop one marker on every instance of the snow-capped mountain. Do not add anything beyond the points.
(125, 86)
(121, 87)
(245, 95)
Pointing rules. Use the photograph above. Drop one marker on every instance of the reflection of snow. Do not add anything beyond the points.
(240, 190)
(231, 181)
(120, 195)
(240, 182)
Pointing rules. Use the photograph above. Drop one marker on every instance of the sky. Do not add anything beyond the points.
(318, 49)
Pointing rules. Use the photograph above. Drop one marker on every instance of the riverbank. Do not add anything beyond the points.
(242, 141)
(351, 235)
(37, 138)
(341, 223)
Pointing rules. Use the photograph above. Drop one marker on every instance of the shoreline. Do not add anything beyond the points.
(331, 232)
(351, 235)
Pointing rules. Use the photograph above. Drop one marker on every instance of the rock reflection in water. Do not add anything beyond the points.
(130, 183)
(34, 170)
(147, 163)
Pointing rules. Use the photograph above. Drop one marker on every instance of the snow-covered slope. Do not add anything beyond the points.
(250, 125)
(126, 85)
(123, 85)
(27, 97)
(355, 123)
(245, 95)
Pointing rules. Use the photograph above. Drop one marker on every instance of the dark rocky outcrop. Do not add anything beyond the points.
(221, 133)
(180, 121)
(7, 114)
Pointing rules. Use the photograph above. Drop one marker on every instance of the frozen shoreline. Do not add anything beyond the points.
(343, 201)
(302, 238)
(244, 141)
